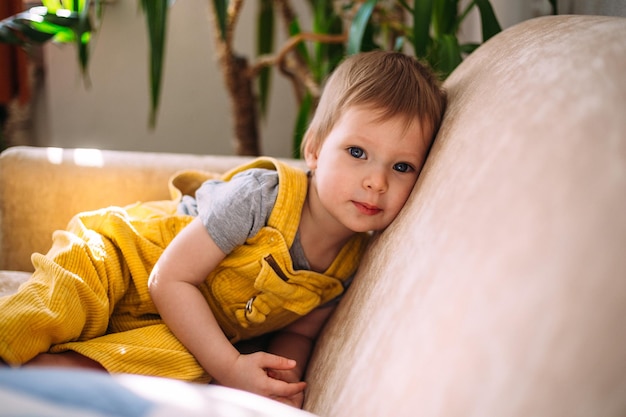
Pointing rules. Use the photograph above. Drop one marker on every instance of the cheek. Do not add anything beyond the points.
(401, 195)
(329, 172)
(329, 184)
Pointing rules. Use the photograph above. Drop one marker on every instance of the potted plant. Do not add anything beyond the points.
(426, 28)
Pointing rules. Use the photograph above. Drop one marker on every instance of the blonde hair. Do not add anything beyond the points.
(391, 82)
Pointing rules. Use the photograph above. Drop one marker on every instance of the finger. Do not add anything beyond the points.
(269, 361)
(286, 389)
(286, 376)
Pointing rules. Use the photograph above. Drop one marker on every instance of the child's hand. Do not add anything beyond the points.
(289, 376)
(250, 373)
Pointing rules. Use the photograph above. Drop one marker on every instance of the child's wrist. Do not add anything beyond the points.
(222, 367)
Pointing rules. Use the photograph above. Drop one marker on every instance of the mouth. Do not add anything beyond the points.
(367, 209)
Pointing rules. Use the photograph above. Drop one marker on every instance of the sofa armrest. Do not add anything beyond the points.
(42, 188)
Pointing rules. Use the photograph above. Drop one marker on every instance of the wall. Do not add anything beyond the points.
(194, 116)
(113, 112)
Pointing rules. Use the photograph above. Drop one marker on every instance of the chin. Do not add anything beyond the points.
(367, 228)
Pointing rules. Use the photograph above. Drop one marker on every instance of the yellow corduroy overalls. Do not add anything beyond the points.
(89, 293)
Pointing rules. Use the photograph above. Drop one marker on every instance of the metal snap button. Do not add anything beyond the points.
(249, 305)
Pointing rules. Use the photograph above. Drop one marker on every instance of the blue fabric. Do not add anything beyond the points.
(95, 392)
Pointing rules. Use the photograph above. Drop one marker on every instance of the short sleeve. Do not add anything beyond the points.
(232, 211)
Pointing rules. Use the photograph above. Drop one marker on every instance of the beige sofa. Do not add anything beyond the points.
(501, 288)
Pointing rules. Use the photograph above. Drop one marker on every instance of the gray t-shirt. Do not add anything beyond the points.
(233, 211)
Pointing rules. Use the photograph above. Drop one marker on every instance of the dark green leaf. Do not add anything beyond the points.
(327, 55)
(302, 121)
(422, 15)
(294, 29)
(83, 31)
(156, 19)
(7, 36)
(448, 53)
(38, 26)
(221, 8)
(555, 9)
(22, 30)
(325, 21)
(468, 48)
(265, 45)
(358, 26)
(489, 21)
(406, 6)
(320, 14)
(444, 17)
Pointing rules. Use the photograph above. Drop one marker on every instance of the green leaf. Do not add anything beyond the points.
(325, 55)
(320, 13)
(156, 20)
(221, 10)
(468, 48)
(68, 20)
(302, 121)
(83, 32)
(60, 34)
(444, 16)
(265, 28)
(294, 29)
(52, 5)
(489, 21)
(555, 9)
(7, 36)
(20, 31)
(406, 6)
(358, 26)
(448, 53)
(38, 26)
(59, 23)
(265, 45)
(65, 37)
(422, 15)
(335, 52)
(320, 16)
(325, 21)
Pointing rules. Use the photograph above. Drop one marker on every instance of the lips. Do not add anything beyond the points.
(367, 209)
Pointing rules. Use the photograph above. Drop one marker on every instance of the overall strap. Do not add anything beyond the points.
(292, 189)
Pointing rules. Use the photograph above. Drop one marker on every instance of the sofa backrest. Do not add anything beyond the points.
(501, 288)
(42, 188)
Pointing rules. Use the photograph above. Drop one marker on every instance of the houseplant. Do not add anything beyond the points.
(427, 28)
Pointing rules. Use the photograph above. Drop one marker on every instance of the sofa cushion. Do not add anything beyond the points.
(500, 290)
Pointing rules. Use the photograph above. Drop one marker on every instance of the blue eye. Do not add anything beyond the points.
(402, 167)
(356, 152)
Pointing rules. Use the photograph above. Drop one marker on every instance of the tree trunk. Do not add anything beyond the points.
(236, 72)
(243, 104)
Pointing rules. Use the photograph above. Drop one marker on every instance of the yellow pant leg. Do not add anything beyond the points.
(97, 269)
(150, 350)
(67, 298)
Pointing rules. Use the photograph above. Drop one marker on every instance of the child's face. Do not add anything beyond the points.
(365, 169)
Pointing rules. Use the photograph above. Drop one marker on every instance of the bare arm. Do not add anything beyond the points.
(174, 282)
(296, 342)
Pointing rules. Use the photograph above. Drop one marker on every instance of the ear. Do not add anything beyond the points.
(311, 153)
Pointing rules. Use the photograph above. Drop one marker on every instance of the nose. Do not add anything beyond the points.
(376, 180)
